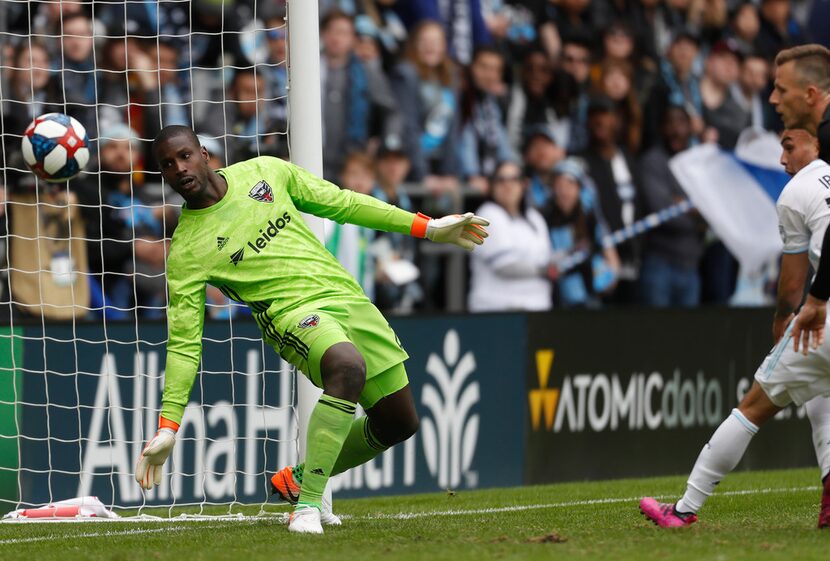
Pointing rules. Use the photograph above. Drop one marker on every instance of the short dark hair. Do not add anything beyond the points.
(171, 131)
(333, 15)
(812, 63)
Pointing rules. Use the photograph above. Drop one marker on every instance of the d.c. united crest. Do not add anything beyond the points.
(309, 321)
(262, 192)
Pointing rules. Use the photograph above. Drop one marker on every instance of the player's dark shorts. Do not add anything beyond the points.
(303, 335)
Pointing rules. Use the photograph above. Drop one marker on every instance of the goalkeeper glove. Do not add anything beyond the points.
(150, 463)
(464, 230)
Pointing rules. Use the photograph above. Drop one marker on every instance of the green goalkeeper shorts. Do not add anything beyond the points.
(305, 334)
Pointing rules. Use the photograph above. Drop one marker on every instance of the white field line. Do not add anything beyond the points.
(381, 516)
(133, 532)
(585, 502)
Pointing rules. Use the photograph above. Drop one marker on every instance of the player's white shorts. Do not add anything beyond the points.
(787, 376)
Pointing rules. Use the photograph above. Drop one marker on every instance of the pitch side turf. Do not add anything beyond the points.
(753, 516)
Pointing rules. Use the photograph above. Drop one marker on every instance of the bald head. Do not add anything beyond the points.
(172, 131)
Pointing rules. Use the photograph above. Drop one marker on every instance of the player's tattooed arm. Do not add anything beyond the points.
(794, 270)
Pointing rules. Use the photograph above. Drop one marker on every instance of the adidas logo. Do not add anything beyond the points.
(317, 471)
(221, 242)
(236, 257)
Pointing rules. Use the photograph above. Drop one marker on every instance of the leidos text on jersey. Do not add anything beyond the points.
(269, 232)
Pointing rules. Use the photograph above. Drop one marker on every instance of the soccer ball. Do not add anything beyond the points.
(55, 147)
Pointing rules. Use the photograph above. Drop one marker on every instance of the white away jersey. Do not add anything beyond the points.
(804, 210)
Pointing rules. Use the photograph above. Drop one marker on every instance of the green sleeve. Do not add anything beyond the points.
(185, 321)
(317, 196)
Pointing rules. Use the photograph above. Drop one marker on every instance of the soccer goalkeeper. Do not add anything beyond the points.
(241, 231)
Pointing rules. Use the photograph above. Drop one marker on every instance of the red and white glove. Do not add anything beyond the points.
(151, 462)
(464, 230)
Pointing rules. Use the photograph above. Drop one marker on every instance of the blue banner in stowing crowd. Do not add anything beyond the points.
(736, 193)
(463, 370)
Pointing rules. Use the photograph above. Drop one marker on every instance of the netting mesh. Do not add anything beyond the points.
(83, 289)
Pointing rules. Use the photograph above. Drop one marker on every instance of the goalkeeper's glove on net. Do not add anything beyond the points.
(151, 462)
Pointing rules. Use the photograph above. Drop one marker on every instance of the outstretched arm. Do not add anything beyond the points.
(319, 197)
(185, 320)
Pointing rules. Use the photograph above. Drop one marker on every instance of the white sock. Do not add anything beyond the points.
(818, 410)
(719, 456)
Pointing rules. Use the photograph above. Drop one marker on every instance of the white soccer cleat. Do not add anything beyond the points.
(305, 520)
(327, 516)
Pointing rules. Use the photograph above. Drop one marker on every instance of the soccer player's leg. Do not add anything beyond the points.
(386, 397)
(390, 419)
(718, 457)
(818, 411)
(317, 345)
(784, 377)
(343, 374)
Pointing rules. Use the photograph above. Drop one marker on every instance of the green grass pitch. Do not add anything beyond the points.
(754, 515)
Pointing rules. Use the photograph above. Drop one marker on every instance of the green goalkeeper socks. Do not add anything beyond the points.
(361, 445)
(328, 428)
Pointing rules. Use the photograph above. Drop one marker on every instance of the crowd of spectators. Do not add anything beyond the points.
(556, 119)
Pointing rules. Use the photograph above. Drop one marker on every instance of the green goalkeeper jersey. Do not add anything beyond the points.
(256, 248)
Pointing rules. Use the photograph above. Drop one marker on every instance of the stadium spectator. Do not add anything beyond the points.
(573, 231)
(615, 177)
(572, 18)
(710, 17)
(47, 253)
(380, 21)
(483, 141)
(350, 243)
(616, 82)
(398, 295)
(671, 254)
(366, 45)
(358, 105)
(125, 231)
(173, 83)
(678, 83)
(779, 30)
(621, 44)
(46, 18)
(425, 83)
(462, 20)
(32, 90)
(128, 90)
(576, 64)
(744, 26)
(751, 88)
(532, 102)
(245, 129)
(723, 116)
(540, 153)
(512, 25)
(511, 274)
(78, 72)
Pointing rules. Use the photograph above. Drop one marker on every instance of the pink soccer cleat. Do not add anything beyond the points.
(664, 515)
(824, 513)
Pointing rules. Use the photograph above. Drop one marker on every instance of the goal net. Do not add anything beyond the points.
(82, 335)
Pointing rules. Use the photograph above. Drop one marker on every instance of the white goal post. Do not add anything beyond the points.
(80, 396)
